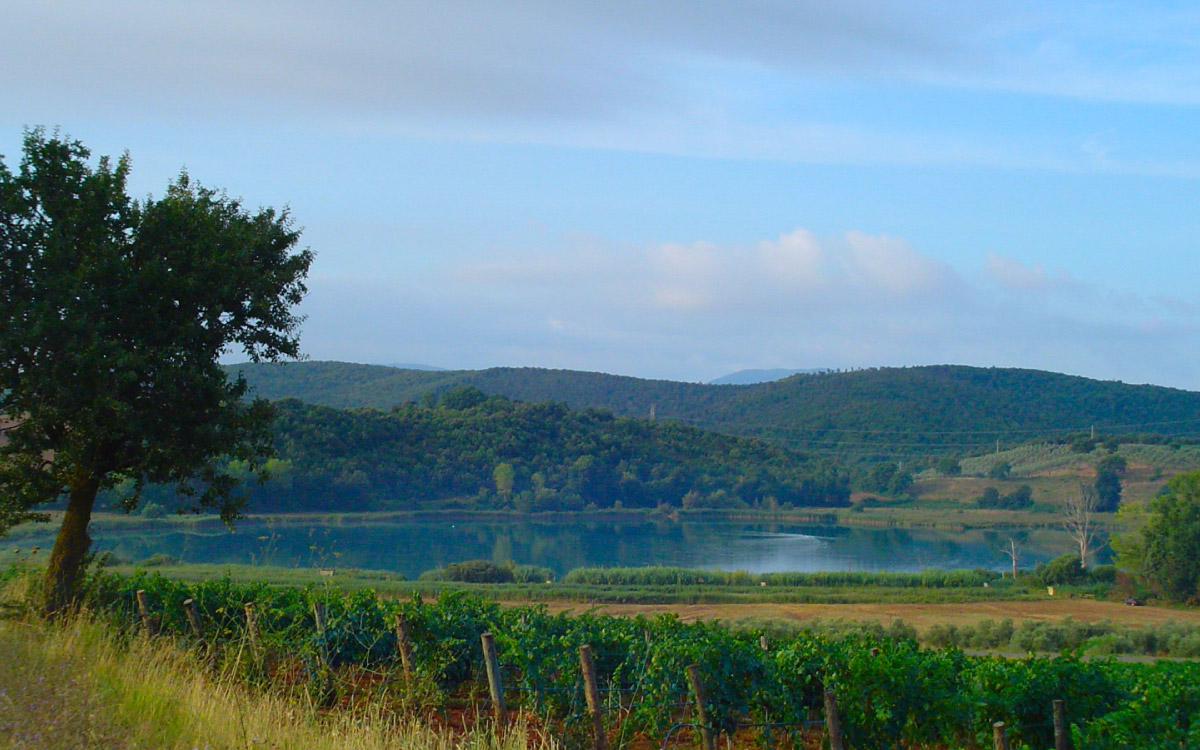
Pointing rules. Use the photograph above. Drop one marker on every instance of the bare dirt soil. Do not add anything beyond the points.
(920, 616)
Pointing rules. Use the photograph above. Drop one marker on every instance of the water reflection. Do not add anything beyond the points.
(411, 547)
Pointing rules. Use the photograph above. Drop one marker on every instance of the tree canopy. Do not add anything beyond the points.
(113, 315)
(1167, 548)
(472, 451)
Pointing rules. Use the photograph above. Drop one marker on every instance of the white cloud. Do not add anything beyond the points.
(794, 260)
(1012, 274)
(698, 310)
(889, 265)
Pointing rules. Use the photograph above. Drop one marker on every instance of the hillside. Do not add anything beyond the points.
(479, 452)
(865, 414)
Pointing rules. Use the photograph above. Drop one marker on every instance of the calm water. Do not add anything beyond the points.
(411, 547)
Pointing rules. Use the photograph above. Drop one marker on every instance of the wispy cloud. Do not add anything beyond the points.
(797, 300)
(704, 77)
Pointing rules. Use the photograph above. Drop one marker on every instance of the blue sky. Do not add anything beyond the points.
(675, 189)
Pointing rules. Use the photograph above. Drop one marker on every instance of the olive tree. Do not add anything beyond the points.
(113, 316)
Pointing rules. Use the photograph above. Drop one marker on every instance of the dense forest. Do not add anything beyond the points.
(862, 415)
(466, 449)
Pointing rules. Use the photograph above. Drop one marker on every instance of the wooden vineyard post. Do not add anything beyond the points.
(493, 675)
(193, 617)
(149, 621)
(1060, 726)
(833, 722)
(591, 691)
(251, 624)
(404, 647)
(999, 736)
(319, 621)
(706, 732)
(763, 644)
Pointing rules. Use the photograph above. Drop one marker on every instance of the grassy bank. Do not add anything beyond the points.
(602, 586)
(81, 684)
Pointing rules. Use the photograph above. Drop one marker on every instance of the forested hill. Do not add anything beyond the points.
(878, 412)
(345, 385)
(475, 451)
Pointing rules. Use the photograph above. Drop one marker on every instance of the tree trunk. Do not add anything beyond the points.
(61, 585)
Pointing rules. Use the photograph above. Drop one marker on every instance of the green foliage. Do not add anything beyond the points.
(1108, 482)
(1018, 499)
(948, 466)
(1167, 547)
(864, 415)
(1063, 569)
(478, 571)
(891, 692)
(665, 576)
(112, 319)
(497, 453)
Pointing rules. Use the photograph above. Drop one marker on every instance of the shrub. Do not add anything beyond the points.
(1061, 570)
(479, 571)
(158, 560)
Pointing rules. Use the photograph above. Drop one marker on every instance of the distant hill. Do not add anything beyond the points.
(344, 385)
(750, 377)
(864, 415)
(415, 366)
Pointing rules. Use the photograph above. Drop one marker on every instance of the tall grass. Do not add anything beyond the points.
(667, 576)
(71, 683)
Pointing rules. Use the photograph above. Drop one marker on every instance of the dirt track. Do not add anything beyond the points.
(921, 616)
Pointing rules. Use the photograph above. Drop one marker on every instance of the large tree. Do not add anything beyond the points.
(113, 315)
(1166, 550)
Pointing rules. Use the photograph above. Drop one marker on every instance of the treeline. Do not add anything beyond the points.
(472, 451)
(862, 415)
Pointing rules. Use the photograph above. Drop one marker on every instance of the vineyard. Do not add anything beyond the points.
(350, 651)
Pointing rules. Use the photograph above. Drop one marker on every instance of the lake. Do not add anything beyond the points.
(411, 546)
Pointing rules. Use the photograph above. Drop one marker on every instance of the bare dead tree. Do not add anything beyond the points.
(1012, 549)
(1079, 511)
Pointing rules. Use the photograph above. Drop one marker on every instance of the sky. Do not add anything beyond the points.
(674, 189)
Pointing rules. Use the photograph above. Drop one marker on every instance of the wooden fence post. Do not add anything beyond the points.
(193, 617)
(591, 691)
(319, 621)
(251, 624)
(999, 736)
(1061, 742)
(404, 647)
(833, 722)
(493, 675)
(706, 731)
(149, 621)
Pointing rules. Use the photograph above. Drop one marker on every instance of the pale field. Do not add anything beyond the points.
(920, 616)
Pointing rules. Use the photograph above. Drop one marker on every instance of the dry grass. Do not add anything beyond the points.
(77, 685)
(920, 616)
